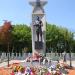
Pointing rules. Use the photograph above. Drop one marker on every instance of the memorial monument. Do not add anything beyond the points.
(38, 26)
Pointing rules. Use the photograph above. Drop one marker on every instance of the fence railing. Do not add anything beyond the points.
(23, 56)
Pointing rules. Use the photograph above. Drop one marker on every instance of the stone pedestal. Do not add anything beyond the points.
(38, 11)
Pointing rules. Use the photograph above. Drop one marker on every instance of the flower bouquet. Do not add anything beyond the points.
(22, 70)
(58, 66)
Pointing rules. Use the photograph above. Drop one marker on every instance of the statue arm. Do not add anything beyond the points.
(34, 24)
(41, 23)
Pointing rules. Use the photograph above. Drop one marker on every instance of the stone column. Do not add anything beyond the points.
(38, 11)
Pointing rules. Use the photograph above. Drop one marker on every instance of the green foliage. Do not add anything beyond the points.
(21, 33)
(21, 37)
(57, 38)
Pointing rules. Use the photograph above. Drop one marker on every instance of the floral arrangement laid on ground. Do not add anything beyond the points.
(20, 70)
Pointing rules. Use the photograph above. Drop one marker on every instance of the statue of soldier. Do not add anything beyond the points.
(38, 24)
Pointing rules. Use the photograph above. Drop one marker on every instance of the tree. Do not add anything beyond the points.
(58, 38)
(21, 37)
(5, 34)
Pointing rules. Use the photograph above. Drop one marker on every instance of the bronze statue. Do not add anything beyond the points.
(38, 24)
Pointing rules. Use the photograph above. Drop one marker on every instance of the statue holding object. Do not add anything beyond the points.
(38, 24)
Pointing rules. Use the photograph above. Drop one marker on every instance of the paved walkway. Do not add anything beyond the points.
(68, 62)
(73, 63)
(4, 64)
(71, 72)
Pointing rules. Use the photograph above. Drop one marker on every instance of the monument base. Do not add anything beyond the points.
(38, 45)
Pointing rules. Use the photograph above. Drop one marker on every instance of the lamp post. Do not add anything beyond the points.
(70, 57)
(65, 45)
(8, 54)
(8, 45)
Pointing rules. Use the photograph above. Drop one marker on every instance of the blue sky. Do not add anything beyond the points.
(59, 12)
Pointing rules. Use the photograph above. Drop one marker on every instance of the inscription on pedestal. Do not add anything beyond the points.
(38, 45)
